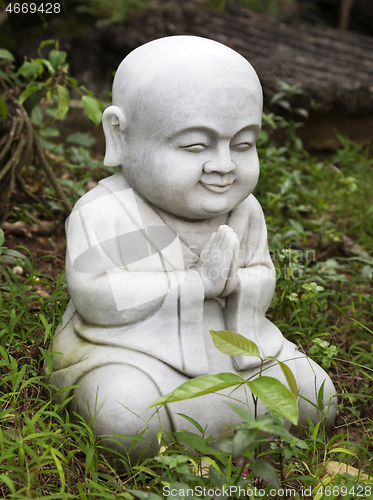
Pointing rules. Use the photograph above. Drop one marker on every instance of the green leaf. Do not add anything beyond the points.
(192, 421)
(89, 456)
(4, 76)
(46, 144)
(199, 386)
(29, 91)
(83, 496)
(59, 468)
(82, 87)
(5, 54)
(37, 116)
(343, 450)
(277, 97)
(302, 444)
(44, 44)
(2, 237)
(15, 253)
(3, 108)
(56, 58)
(225, 445)
(52, 112)
(93, 109)
(265, 471)
(49, 66)
(320, 397)
(29, 69)
(73, 81)
(297, 226)
(33, 85)
(48, 358)
(278, 430)
(194, 441)
(6, 479)
(234, 344)
(302, 112)
(172, 460)
(213, 463)
(63, 102)
(274, 394)
(35, 98)
(284, 104)
(243, 439)
(82, 139)
(49, 132)
(290, 379)
(241, 412)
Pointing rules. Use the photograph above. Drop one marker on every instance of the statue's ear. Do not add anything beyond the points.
(114, 124)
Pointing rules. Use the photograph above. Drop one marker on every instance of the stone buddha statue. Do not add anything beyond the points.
(172, 246)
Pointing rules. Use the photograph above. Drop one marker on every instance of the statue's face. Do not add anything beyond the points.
(191, 151)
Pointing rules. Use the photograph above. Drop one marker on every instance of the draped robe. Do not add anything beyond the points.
(136, 295)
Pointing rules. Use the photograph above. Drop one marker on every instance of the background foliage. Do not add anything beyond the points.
(319, 217)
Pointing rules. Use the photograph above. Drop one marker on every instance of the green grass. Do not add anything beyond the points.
(320, 221)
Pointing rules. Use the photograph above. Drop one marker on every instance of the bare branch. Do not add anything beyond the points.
(50, 174)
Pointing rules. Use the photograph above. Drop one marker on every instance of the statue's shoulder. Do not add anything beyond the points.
(253, 207)
(105, 187)
(248, 215)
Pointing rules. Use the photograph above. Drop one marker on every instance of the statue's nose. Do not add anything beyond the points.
(220, 163)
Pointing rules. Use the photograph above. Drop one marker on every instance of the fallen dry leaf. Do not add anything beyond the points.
(335, 468)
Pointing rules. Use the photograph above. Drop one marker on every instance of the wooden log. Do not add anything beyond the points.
(334, 67)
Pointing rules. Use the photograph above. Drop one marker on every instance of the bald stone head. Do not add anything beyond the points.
(185, 117)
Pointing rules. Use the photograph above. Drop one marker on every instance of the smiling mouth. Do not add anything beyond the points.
(217, 188)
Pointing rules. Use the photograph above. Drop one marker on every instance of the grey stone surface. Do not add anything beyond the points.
(172, 246)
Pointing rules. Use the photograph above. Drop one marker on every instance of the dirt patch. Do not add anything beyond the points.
(46, 252)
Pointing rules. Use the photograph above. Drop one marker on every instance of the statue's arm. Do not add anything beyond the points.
(126, 297)
(123, 299)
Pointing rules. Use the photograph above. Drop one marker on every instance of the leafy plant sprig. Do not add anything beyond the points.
(269, 390)
(35, 80)
(49, 78)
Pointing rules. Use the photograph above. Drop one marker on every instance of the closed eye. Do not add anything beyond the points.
(194, 148)
(241, 147)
